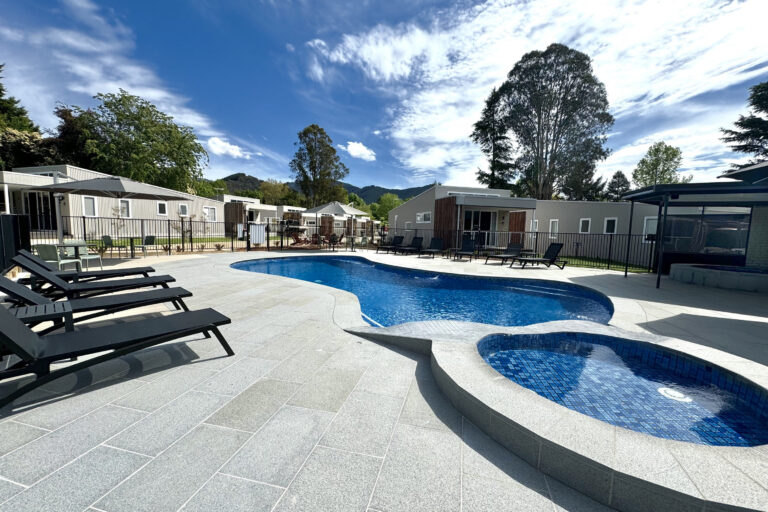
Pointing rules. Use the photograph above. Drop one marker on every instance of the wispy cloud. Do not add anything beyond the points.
(221, 147)
(359, 150)
(653, 57)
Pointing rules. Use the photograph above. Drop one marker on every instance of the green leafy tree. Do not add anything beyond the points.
(580, 184)
(556, 111)
(617, 187)
(128, 136)
(490, 133)
(12, 114)
(72, 135)
(316, 167)
(208, 188)
(659, 166)
(386, 203)
(273, 191)
(751, 132)
(24, 149)
(358, 202)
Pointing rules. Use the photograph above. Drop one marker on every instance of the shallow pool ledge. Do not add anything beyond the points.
(627, 470)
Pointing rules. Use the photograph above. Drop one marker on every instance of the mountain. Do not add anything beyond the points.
(237, 183)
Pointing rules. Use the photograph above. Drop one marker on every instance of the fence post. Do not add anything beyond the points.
(169, 236)
(84, 237)
(182, 233)
(232, 236)
(191, 240)
(610, 250)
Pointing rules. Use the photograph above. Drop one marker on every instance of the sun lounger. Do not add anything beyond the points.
(467, 249)
(415, 246)
(37, 353)
(89, 275)
(435, 247)
(33, 308)
(59, 287)
(512, 251)
(396, 243)
(549, 258)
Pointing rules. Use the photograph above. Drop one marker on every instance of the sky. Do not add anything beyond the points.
(397, 84)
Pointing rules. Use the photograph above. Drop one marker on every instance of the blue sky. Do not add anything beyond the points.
(396, 84)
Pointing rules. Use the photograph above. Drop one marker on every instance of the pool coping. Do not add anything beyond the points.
(621, 468)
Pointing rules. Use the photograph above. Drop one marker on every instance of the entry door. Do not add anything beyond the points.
(516, 227)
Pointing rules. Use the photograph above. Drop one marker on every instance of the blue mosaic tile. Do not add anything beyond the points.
(622, 382)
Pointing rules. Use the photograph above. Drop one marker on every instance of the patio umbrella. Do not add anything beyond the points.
(113, 186)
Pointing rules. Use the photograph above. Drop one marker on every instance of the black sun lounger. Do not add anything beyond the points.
(549, 258)
(89, 275)
(512, 251)
(88, 288)
(32, 307)
(414, 246)
(467, 249)
(37, 353)
(396, 243)
(435, 247)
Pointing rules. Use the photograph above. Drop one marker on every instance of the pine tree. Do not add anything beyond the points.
(617, 187)
(12, 114)
(751, 133)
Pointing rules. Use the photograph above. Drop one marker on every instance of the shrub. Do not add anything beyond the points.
(219, 246)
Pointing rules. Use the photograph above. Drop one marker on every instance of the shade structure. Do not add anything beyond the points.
(337, 208)
(755, 174)
(115, 186)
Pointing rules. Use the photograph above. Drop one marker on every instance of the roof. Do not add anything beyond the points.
(757, 173)
(703, 194)
(336, 208)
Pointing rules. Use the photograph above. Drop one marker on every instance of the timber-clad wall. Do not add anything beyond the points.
(445, 220)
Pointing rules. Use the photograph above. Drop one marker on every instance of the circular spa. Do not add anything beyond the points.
(391, 295)
(634, 385)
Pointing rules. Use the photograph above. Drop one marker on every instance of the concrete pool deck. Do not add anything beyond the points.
(307, 416)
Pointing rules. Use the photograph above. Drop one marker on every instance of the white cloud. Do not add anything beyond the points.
(377, 132)
(654, 57)
(221, 147)
(359, 150)
(289, 47)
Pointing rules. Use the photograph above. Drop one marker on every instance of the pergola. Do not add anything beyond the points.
(727, 194)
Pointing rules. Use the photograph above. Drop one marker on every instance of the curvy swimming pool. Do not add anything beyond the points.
(392, 295)
(634, 385)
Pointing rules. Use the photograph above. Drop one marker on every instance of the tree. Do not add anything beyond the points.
(557, 113)
(617, 187)
(24, 149)
(315, 166)
(72, 135)
(386, 203)
(580, 184)
(128, 136)
(12, 114)
(490, 133)
(207, 188)
(751, 133)
(358, 202)
(273, 191)
(659, 166)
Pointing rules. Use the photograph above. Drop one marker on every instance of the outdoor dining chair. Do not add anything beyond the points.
(51, 254)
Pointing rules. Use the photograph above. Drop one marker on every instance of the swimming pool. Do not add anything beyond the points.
(392, 295)
(634, 385)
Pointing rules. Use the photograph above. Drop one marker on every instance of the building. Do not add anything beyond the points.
(18, 196)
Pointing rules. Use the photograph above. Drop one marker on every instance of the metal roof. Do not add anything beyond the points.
(703, 194)
(757, 173)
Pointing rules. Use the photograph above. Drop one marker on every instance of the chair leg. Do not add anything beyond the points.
(223, 342)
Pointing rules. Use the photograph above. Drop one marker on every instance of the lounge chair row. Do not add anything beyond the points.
(513, 253)
(50, 295)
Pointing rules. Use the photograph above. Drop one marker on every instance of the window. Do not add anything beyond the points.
(183, 210)
(125, 208)
(408, 225)
(585, 225)
(423, 218)
(337, 224)
(209, 213)
(310, 223)
(609, 226)
(479, 221)
(649, 228)
(162, 208)
(89, 206)
(554, 227)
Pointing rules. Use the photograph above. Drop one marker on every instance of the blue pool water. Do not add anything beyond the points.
(391, 295)
(635, 385)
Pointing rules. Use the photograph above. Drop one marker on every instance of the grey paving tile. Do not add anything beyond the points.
(327, 389)
(385, 377)
(276, 452)
(484, 457)
(355, 355)
(426, 406)
(58, 413)
(331, 480)
(161, 391)
(169, 480)
(238, 376)
(422, 471)
(48, 453)
(483, 494)
(79, 484)
(160, 429)
(251, 408)
(364, 424)
(13, 435)
(8, 490)
(223, 492)
(300, 366)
